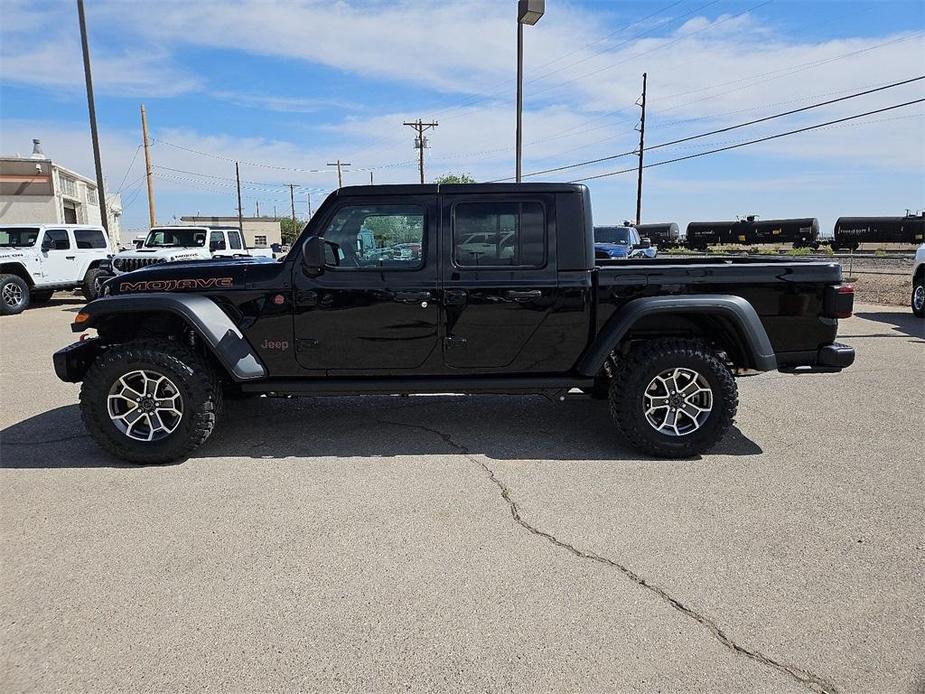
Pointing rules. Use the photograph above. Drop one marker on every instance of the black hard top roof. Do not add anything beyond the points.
(457, 188)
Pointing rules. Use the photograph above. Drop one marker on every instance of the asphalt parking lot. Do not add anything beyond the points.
(471, 543)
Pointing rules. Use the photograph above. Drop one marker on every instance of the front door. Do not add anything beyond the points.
(59, 262)
(374, 309)
(499, 278)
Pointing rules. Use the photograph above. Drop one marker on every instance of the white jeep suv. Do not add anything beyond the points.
(38, 259)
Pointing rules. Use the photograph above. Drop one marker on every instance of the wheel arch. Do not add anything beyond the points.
(729, 321)
(18, 269)
(125, 317)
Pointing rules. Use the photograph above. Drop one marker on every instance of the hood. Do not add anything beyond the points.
(614, 250)
(203, 275)
(167, 252)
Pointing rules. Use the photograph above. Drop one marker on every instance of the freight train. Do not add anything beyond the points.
(666, 235)
(752, 231)
(851, 232)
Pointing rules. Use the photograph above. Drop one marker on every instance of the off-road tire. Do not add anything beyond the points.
(40, 297)
(191, 373)
(89, 287)
(636, 371)
(917, 286)
(11, 309)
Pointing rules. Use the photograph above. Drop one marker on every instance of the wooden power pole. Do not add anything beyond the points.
(144, 135)
(309, 205)
(420, 142)
(292, 202)
(340, 175)
(237, 175)
(642, 143)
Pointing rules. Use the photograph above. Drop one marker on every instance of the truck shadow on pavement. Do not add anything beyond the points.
(498, 427)
(902, 323)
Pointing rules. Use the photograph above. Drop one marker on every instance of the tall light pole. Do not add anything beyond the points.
(528, 12)
(91, 106)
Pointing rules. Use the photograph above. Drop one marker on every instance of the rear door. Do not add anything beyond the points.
(499, 278)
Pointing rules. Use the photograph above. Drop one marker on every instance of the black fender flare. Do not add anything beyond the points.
(734, 309)
(202, 314)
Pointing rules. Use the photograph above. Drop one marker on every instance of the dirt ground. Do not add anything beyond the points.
(879, 280)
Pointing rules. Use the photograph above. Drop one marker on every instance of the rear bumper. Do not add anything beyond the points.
(829, 358)
(72, 362)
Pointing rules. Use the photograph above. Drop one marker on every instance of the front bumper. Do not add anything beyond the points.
(72, 362)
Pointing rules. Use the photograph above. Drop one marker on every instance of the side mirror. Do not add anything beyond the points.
(216, 246)
(47, 244)
(313, 255)
(646, 243)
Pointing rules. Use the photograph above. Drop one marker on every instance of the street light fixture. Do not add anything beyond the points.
(528, 12)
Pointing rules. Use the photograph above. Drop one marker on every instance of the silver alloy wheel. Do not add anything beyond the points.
(145, 405)
(918, 297)
(677, 402)
(12, 294)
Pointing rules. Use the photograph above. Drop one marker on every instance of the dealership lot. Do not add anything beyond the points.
(470, 543)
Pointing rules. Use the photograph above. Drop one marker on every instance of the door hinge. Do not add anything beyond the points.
(303, 345)
(454, 341)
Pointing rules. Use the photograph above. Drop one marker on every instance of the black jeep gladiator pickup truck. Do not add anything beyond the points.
(481, 288)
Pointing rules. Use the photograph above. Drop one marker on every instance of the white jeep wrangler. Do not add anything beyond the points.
(175, 243)
(38, 259)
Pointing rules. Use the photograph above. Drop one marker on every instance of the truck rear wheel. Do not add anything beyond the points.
(14, 295)
(918, 296)
(150, 401)
(92, 284)
(673, 398)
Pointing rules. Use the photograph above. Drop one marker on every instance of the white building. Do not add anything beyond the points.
(35, 190)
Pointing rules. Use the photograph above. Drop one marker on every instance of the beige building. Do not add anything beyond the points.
(36, 190)
(259, 232)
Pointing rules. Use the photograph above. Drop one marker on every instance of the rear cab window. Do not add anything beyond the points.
(234, 240)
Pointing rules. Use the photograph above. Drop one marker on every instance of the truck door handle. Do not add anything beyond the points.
(68, 257)
(412, 297)
(528, 295)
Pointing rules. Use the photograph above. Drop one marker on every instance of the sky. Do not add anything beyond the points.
(284, 88)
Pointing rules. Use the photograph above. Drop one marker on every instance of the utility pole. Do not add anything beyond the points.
(642, 141)
(309, 205)
(91, 105)
(237, 175)
(258, 208)
(340, 176)
(144, 135)
(420, 142)
(292, 202)
(371, 178)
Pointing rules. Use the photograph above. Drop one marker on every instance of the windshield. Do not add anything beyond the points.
(176, 238)
(24, 236)
(620, 235)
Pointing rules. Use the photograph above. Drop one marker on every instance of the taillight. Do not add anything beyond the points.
(845, 303)
(838, 301)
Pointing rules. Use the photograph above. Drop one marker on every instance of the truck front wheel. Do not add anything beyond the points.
(14, 295)
(918, 296)
(150, 401)
(673, 398)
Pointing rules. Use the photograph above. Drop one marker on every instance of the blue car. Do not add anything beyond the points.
(621, 242)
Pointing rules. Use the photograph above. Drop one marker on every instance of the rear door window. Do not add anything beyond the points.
(89, 238)
(234, 238)
(499, 234)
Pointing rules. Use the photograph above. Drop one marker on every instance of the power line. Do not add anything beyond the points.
(726, 129)
(755, 141)
(129, 169)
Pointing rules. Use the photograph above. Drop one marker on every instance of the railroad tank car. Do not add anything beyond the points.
(851, 232)
(664, 235)
(753, 231)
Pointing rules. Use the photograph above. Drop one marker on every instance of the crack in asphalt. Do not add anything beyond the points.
(804, 677)
(42, 443)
